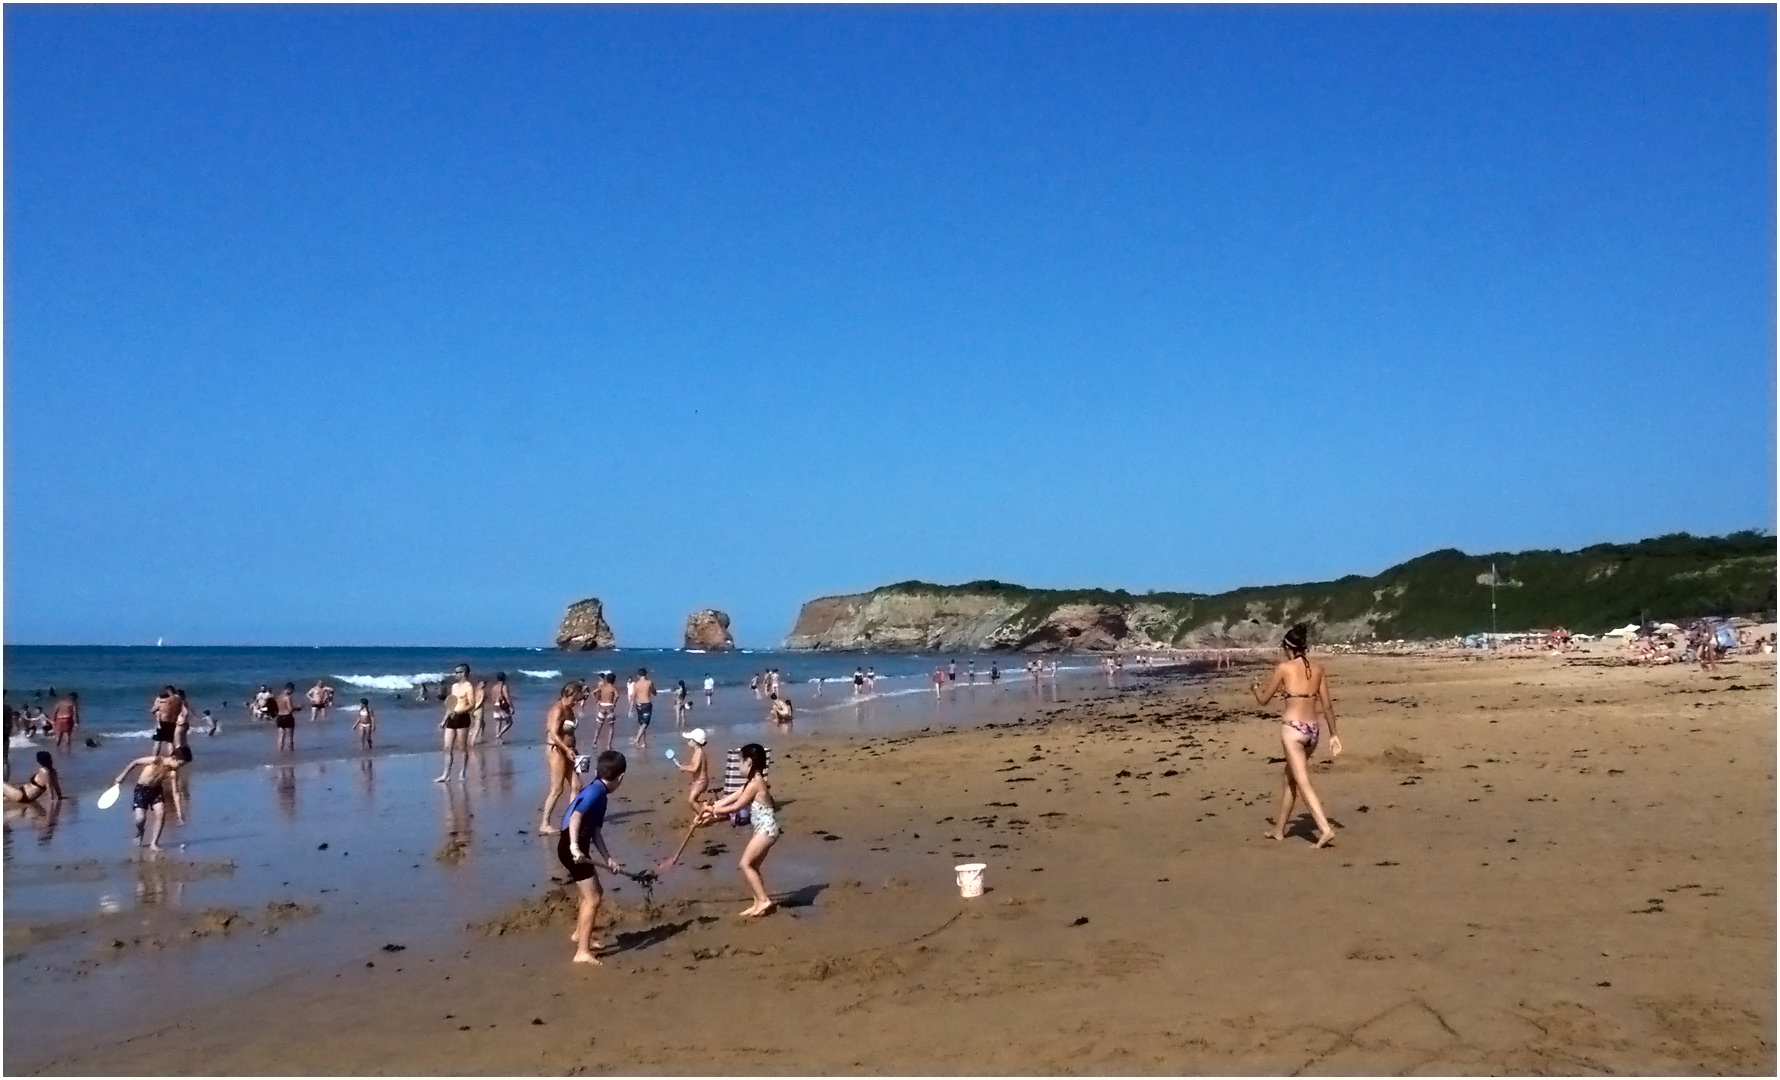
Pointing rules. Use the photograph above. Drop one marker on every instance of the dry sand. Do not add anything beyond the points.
(1543, 866)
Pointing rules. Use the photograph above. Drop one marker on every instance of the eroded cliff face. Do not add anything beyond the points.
(891, 620)
(900, 622)
(708, 631)
(584, 628)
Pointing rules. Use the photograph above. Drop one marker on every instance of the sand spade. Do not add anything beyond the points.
(662, 867)
(109, 799)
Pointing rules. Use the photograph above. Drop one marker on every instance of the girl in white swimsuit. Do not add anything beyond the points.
(762, 814)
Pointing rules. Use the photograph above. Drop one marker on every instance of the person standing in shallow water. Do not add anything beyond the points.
(64, 718)
(605, 710)
(461, 703)
(642, 699)
(285, 717)
(500, 702)
(366, 724)
(1305, 687)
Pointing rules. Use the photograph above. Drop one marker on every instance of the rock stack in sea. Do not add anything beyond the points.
(708, 631)
(584, 628)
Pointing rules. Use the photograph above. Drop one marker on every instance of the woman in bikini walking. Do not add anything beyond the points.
(1305, 687)
(559, 748)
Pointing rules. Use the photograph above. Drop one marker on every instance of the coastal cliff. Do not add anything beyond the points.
(1441, 594)
(584, 628)
(708, 631)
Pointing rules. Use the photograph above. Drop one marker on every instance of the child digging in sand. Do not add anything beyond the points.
(581, 826)
(762, 816)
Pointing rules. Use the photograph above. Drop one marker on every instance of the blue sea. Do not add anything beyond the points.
(117, 684)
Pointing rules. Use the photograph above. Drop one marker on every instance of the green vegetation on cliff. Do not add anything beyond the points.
(1447, 593)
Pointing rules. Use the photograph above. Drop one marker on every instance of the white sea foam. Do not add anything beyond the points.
(391, 682)
(551, 674)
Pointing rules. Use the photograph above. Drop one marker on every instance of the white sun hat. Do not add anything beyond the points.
(696, 735)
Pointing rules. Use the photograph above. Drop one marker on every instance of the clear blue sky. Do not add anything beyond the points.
(409, 326)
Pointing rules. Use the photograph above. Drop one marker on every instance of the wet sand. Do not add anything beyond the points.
(1543, 866)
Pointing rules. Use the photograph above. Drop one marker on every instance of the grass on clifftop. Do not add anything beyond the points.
(1447, 593)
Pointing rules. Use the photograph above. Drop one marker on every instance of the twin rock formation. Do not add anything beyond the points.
(584, 629)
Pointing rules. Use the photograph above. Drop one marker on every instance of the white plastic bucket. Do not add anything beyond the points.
(970, 879)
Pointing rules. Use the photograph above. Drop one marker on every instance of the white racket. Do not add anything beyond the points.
(109, 799)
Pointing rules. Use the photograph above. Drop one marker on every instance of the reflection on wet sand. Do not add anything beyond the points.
(457, 825)
(284, 781)
(41, 816)
(155, 884)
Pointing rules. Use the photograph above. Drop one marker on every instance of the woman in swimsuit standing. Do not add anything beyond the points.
(44, 780)
(1305, 687)
(500, 701)
(559, 748)
(682, 704)
(182, 729)
(762, 816)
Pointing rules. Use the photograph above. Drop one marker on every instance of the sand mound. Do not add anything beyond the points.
(1396, 757)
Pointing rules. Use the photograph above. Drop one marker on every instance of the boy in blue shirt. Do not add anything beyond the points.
(581, 827)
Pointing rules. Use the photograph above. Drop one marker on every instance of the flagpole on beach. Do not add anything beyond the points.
(1492, 599)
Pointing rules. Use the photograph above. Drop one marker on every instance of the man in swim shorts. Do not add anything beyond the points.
(64, 719)
(165, 711)
(461, 702)
(318, 701)
(642, 703)
(149, 798)
(284, 717)
(605, 710)
(581, 830)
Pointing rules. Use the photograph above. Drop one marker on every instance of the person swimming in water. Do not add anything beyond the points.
(1305, 687)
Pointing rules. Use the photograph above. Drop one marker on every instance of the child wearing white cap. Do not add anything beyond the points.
(701, 774)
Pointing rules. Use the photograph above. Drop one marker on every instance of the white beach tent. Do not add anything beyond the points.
(1630, 630)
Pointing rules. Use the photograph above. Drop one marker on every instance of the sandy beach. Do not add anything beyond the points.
(1544, 865)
